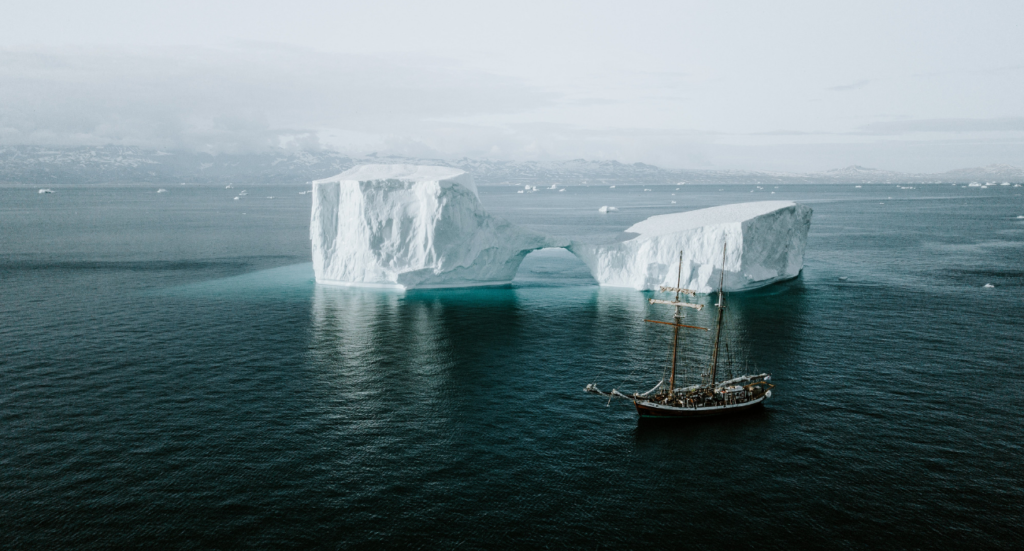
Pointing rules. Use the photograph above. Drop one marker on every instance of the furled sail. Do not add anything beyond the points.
(664, 289)
(674, 303)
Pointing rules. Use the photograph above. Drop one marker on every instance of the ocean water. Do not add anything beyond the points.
(170, 375)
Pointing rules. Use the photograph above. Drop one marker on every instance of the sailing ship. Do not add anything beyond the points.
(710, 397)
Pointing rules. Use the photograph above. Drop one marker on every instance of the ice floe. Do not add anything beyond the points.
(764, 242)
(412, 226)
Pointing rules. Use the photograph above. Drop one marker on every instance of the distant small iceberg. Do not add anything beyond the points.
(161, 190)
(45, 190)
(988, 286)
(606, 209)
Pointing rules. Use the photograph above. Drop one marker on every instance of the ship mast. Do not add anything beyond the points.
(677, 318)
(675, 329)
(718, 326)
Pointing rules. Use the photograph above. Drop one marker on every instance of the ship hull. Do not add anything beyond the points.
(649, 410)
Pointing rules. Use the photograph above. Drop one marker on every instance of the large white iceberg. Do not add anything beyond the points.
(764, 243)
(410, 226)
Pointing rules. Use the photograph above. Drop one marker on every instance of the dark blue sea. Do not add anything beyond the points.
(172, 377)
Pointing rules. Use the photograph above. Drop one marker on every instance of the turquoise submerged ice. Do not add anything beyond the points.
(763, 243)
(412, 226)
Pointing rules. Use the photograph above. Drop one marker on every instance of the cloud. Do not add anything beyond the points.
(260, 96)
(237, 100)
(999, 124)
(851, 86)
(788, 133)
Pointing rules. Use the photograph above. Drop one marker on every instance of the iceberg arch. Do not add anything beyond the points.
(421, 227)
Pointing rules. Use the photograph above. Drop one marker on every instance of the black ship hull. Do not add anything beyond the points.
(649, 410)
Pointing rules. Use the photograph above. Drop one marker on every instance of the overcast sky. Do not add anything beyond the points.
(799, 86)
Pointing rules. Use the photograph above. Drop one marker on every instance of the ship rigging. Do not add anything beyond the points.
(710, 397)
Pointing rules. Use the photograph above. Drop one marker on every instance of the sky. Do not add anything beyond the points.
(783, 86)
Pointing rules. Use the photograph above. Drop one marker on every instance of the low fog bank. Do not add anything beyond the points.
(31, 165)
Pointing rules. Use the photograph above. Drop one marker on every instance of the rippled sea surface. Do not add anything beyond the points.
(170, 375)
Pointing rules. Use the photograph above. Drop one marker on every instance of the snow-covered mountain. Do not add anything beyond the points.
(126, 165)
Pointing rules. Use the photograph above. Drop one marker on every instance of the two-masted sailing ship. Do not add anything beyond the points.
(709, 397)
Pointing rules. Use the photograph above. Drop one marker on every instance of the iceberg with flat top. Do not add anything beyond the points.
(412, 226)
(764, 243)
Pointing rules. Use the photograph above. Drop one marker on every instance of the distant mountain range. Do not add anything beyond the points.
(127, 165)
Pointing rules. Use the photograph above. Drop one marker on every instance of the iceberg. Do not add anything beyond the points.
(412, 226)
(764, 243)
